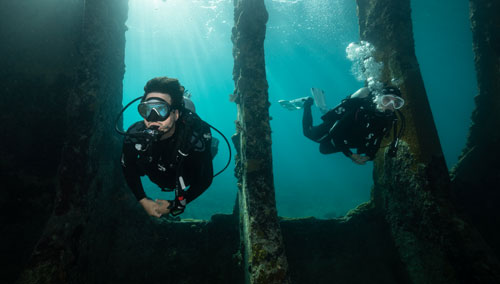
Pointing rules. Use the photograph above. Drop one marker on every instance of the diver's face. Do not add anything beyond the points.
(389, 103)
(167, 125)
(383, 108)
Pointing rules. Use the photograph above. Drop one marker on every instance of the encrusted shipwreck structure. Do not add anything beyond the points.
(262, 243)
(67, 216)
(413, 190)
(476, 177)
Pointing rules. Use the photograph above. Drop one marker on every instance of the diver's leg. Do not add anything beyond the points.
(307, 120)
(314, 133)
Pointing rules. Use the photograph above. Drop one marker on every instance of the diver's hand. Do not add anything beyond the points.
(163, 206)
(151, 207)
(358, 159)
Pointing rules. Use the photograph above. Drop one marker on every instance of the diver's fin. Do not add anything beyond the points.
(319, 99)
(293, 104)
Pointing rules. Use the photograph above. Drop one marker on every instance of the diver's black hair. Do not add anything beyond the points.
(166, 85)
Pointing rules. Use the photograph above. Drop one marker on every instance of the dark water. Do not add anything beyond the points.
(305, 46)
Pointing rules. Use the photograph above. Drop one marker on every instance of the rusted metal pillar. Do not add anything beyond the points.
(88, 165)
(476, 177)
(262, 243)
(412, 189)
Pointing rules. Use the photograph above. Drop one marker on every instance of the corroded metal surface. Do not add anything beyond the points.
(262, 243)
(434, 243)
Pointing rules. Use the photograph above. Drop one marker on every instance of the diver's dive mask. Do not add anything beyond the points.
(396, 101)
(154, 109)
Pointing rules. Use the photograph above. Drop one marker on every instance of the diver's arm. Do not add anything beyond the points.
(347, 152)
(338, 133)
(133, 179)
(131, 171)
(347, 113)
(203, 175)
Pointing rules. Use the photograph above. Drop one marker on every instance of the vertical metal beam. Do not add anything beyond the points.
(91, 149)
(412, 189)
(485, 25)
(476, 177)
(387, 25)
(262, 243)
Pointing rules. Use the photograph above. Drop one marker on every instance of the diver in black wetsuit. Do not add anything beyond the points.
(172, 146)
(360, 121)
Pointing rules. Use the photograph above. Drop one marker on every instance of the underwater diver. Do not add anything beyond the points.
(359, 122)
(172, 146)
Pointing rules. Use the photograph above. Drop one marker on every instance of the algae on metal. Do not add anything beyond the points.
(85, 164)
(476, 176)
(264, 256)
(413, 189)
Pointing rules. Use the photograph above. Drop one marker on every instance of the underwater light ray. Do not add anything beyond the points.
(175, 42)
(201, 46)
(136, 37)
(161, 45)
(197, 49)
(195, 66)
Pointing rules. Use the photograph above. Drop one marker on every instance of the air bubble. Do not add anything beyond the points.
(364, 65)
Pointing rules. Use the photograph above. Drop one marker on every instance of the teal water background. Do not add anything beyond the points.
(305, 47)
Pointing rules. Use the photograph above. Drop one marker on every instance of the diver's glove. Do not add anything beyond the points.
(177, 206)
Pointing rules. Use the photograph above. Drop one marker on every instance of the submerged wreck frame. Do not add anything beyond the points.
(409, 232)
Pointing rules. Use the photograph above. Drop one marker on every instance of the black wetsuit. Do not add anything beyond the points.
(159, 160)
(355, 123)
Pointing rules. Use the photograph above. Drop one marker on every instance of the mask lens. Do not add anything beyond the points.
(161, 109)
(386, 100)
(396, 101)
